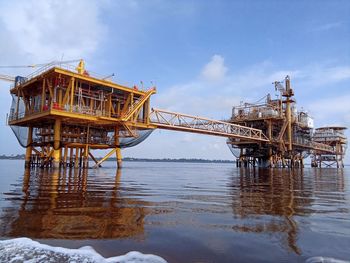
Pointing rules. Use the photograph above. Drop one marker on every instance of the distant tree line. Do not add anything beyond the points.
(12, 157)
(131, 159)
(180, 160)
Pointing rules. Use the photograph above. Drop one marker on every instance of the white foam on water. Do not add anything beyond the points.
(30, 251)
(325, 260)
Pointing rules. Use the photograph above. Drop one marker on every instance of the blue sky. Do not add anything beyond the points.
(204, 56)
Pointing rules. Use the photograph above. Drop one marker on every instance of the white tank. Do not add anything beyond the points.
(295, 111)
(310, 122)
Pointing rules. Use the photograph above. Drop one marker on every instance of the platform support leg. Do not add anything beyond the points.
(76, 159)
(119, 157)
(56, 144)
(105, 158)
(29, 147)
(65, 156)
(86, 157)
(301, 162)
(118, 150)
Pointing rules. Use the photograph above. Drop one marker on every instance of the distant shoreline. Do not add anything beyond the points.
(156, 160)
(180, 160)
(131, 159)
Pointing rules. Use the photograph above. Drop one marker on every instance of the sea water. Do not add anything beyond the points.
(174, 212)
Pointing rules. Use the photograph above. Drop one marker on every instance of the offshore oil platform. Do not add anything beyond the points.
(291, 135)
(60, 113)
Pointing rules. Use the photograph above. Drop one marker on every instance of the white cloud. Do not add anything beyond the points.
(319, 75)
(332, 110)
(328, 26)
(37, 31)
(215, 70)
(214, 99)
(45, 30)
(189, 138)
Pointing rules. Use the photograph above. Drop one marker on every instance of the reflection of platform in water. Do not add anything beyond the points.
(66, 206)
(282, 194)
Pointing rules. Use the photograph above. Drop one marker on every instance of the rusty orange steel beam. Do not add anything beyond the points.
(182, 122)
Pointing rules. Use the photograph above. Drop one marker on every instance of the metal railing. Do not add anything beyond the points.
(61, 65)
(322, 147)
(313, 145)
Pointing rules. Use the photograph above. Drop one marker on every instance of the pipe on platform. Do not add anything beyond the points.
(289, 116)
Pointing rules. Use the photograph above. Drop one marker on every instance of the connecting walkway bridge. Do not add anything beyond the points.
(168, 120)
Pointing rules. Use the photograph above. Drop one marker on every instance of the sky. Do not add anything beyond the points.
(204, 57)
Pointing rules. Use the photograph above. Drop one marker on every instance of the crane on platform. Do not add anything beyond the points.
(7, 78)
(45, 64)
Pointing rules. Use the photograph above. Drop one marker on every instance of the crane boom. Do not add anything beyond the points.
(41, 64)
(12, 79)
(7, 78)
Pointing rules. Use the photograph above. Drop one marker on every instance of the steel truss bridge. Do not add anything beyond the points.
(183, 122)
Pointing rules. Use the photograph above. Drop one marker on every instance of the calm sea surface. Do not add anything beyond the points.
(183, 212)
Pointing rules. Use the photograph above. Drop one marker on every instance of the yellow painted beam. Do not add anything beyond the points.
(72, 94)
(84, 117)
(118, 108)
(112, 108)
(127, 103)
(29, 118)
(136, 107)
(43, 95)
(66, 95)
(109, 105)
(91, 146)
(105, 158)
(73, 115)
(93, 158)
(49, 86)
(60, 97)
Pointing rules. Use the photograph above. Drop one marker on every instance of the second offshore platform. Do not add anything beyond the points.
(60, 113)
